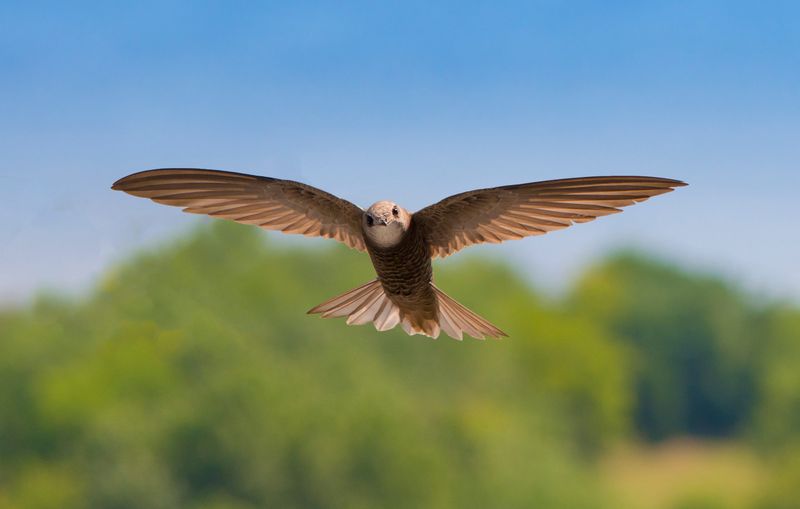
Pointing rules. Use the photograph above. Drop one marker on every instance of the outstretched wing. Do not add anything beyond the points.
(270, 203)
(513, 212)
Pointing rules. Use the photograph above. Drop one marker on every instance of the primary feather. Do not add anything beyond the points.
(513, 212)
(273, 204)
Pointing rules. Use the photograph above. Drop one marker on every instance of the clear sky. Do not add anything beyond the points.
(410, 101)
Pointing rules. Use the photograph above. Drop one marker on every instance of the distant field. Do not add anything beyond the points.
(684, 474)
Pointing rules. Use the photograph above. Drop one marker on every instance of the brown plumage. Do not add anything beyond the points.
(400, 244)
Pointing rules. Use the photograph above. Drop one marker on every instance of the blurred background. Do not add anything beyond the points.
(153, 359)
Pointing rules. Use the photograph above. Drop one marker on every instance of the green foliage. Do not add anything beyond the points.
(699, 502)
(193, 378)
(694, 341)
(778, 409)
(783, 490)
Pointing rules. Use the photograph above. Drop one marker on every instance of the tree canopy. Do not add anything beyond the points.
(191, 377)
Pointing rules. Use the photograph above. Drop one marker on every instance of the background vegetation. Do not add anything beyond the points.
(190, 377)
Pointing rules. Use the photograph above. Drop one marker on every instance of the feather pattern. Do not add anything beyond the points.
(273, 204)
(367, 303)
(513, 212)
(455, 319)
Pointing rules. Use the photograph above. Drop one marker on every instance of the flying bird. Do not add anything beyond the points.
(400, 243)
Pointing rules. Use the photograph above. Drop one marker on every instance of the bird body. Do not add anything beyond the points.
(400, 244)
(405, 273)
(403, 267)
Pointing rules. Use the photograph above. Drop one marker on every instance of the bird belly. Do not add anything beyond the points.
(405, 272)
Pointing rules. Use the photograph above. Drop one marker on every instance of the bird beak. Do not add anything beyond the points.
(383, 221)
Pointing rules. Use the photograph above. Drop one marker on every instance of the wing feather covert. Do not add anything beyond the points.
(513, 212)
(273, 204)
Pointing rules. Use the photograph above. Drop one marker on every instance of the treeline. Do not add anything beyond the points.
(191, 377)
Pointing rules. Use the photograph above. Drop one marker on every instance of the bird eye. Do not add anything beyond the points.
(370, 221)
(395, 212)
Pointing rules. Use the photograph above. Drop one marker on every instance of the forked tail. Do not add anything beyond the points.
(369, 303)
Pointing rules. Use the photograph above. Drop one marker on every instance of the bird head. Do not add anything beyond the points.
(385, 223)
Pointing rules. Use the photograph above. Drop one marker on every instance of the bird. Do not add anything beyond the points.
(400, 244)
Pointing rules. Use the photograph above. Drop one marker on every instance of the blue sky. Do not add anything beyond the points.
(410, 101)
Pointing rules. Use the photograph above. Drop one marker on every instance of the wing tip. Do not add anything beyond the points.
(156, 172)
(119, 184)
(122, 184)
(671, 183)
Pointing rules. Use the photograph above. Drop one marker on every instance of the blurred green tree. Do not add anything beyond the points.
(693, 341)
(192, 378)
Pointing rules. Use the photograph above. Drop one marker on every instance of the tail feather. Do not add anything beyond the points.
(368, 310)
(414, 324)
(345, 304)
(455, 320)
(388, 316)
(369, 303)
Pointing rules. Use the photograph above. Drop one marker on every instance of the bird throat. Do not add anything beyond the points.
(389, 235)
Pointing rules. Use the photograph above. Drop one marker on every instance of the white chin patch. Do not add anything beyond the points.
(386, 236)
